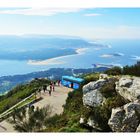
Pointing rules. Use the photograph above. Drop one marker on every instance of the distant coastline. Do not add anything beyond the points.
(55, 60)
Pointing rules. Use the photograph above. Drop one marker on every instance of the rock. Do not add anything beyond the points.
(93, 98)
(138, 128)
(103, 76)
(129, 88)
(125, 82)
(93, 85)
(91, 94)
(82, 120)
(125, 118)
(92, 123)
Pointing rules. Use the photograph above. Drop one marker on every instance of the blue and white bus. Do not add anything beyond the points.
(71, 82)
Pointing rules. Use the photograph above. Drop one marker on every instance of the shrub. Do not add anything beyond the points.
(19, 93)
(132, 70)
(114, 71)
(91, 77)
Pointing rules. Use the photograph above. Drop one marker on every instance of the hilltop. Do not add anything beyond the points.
(9, 82)
(103, 103)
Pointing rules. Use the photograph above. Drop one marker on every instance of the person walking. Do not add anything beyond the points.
(54, 83)
(39, 90)
(50, 92)
(59, 82)
(53, 86)
(44, 88)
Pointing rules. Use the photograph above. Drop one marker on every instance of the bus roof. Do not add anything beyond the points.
(73, 79)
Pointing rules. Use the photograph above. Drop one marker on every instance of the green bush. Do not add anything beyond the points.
(114, 71)
(90, 77)
(132, 70)
(19, 93)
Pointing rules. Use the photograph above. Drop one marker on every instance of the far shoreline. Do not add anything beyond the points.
(55, 60)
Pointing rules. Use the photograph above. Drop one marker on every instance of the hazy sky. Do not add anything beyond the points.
(84, 22)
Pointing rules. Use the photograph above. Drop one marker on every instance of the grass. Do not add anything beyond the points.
(19, 93)
(22, 104)
(29, 100)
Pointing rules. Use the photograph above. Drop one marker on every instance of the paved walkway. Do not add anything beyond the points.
(56, 101)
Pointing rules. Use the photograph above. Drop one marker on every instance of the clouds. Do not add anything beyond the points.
(92, 23)
(69, 3)
(137, 58)
(39, 11)
(116, 31)
(45, 11)
(92, 14)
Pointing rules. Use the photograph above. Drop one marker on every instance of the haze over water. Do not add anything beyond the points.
(119, 53)
(36, 39)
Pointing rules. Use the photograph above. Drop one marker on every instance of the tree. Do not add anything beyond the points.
(114, 71)
(30, 120)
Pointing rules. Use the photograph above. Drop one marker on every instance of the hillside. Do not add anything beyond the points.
(20, 92)
(104, 103)
(8, 82)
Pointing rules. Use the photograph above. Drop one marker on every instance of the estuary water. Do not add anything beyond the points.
(119, 52)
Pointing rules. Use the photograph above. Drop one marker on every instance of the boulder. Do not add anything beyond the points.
(82, 120)
(91, 93)
(138, 128)
(93, 98)
(129, 88)
(93, 85)
(92, 123)
(125, 118)
(103, 76)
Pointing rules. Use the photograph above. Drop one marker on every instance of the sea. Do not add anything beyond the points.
(120, 52)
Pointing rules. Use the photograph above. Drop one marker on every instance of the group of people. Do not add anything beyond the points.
(50, 87)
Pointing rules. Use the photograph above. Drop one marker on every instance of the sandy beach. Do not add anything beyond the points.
(56, 60)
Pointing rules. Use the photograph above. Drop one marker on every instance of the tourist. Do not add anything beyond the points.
(50, 87)
(50, 92)
(53, 87)
(54, 83)
(39, 90)
(44, 88)
(59, 81)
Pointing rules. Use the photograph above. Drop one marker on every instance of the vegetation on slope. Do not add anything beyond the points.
(19, 93)
(68, 121)
(74, 109)
(31, 120)
(126, 70)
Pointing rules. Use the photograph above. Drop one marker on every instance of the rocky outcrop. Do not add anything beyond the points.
(91, 94)
(93, 98)
(94, 124)
(129, 88)
(138, 128)
(90, 122)
(125, 118)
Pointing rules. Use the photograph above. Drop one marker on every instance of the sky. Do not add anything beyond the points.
(81, 21)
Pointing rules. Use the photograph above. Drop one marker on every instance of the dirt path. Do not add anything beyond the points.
(56, 101)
